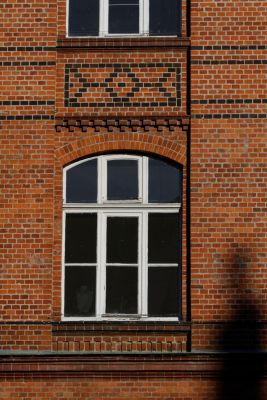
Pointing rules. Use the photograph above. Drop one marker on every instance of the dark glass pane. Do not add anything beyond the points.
(122, 180)
(123, 18)
(122, 240)
(163, 238)
(83, 17)
(163, 17)
(121, 292)
(82, 183)
(80, 241)
(165, 182)
(80, 291)
(162, 291)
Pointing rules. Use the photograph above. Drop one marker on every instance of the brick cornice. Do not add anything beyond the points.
(83, 365)
(123, 123)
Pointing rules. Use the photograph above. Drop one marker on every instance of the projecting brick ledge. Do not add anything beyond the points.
(83, 365)
(122, 123)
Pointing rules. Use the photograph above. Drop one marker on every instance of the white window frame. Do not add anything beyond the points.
(103, 20)
(104, 208)
(143, 19)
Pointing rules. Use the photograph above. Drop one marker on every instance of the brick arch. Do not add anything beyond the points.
(139, 142)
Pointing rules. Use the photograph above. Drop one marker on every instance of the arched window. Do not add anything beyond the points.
(122, 238)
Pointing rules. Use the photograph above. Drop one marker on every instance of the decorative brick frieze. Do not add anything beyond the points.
(121, 338)
(122, 85)
(122, 124)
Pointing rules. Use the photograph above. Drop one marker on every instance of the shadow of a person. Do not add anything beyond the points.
(241, 343)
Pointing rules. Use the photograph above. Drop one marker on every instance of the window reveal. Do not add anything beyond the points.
(122, 238)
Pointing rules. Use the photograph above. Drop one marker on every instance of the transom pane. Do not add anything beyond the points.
(164, 182)
(82, 183)
(122, 179)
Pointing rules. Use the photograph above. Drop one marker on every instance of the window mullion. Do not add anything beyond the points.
(145, 179)
(144, 11)
(144, 260)
(102, 180)
(103, 18)
(101, 264)
(63, 264)
(144, 268)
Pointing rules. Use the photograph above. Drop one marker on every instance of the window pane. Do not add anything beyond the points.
(82, 183)
(121, 292)
(163, 231)
(80, 291)
(123, 16)
(163, 291)
(80, 241)
(165, 182)
(84, 17)
(122, 180)
(122, 240)
(163, 17)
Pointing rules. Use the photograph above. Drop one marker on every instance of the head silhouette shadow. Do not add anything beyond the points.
(241, 339)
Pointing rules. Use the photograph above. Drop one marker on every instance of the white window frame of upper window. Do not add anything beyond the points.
(103, 20)
(143, 19)
(104, 208)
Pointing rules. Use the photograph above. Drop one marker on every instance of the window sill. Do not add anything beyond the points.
(121, 42)
(110, 319)
(120, 325)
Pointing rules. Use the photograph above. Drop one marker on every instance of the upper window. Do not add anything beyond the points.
(122, 238)
(123, 17)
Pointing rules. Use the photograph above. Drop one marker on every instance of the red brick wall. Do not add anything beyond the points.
(175, 389)
(118, 389)
(228, 171)
(41, 132)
